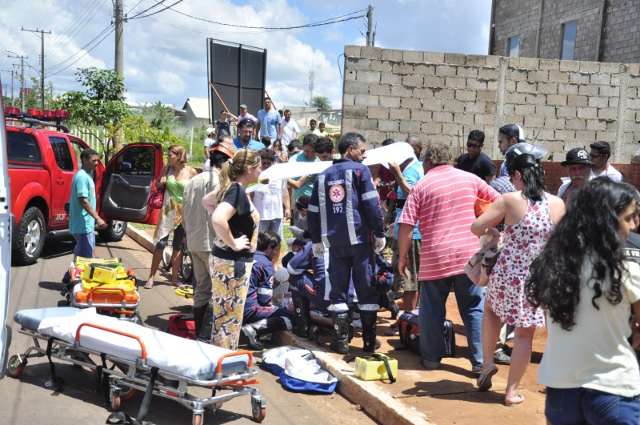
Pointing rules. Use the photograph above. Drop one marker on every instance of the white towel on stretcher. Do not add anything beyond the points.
(169, 353)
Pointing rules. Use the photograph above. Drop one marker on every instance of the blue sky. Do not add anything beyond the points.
(165, 55)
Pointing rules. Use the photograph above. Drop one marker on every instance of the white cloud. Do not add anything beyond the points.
(165, 55)
(170, 82)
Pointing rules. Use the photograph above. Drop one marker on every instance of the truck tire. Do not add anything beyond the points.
(30, 236)
(114, 232)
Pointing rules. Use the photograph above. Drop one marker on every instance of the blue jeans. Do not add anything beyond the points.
(433, 297)
(577, 406)
(85, 244)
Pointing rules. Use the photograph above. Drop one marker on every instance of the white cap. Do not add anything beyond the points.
(210, 130)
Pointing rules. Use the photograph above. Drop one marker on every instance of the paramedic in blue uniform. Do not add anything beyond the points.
(308, 282)
(345, 218)
(261, 316)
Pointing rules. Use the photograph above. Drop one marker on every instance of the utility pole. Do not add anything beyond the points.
(22, 58)
(118, 17)
(370, 34)
(42, 33)
(119, 23)
(10, 87)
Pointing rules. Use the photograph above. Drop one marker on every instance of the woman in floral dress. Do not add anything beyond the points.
(529, 216)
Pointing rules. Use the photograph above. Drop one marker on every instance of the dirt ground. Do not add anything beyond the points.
(449, 395)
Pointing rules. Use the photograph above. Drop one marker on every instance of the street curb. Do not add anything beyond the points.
(378, 403)
(140, 237)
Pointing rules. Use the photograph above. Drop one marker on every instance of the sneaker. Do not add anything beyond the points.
(501, 357)
(476, 370)
(252, 337)
(426, 364)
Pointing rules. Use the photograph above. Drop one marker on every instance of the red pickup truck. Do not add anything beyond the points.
(43, 158)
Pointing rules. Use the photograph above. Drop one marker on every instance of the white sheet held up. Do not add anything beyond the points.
(397, 152)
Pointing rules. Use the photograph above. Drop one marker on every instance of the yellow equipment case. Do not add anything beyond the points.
(376, 367)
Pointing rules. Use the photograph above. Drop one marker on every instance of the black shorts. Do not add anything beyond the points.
(178, 238)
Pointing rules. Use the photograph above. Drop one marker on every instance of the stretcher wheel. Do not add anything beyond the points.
(258, 408)
(261, 415)
(198, 419)
(15, 366)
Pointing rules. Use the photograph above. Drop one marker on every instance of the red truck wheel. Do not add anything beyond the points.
(31, 233)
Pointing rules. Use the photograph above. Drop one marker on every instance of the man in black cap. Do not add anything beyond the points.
(600, 154)
(578, 163)
(245, 136)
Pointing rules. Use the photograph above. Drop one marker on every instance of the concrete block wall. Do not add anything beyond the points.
(441, 97)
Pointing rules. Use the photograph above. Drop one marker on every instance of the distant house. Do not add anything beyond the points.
(196, 112)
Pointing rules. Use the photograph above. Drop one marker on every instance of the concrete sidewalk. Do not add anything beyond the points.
(419, 397)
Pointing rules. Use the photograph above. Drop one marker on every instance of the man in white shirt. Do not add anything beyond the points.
(290, 129)
(271, 199)
(322, 129)
(312, 127)
(600, 154)
(208, 142)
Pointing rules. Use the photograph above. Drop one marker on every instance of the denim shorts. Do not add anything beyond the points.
(573, 406)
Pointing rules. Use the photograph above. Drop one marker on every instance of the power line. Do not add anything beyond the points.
(81, 48)
(85, 53)
(136, 5)
(153, 6)
(329, 21)
(138, 16)
(84, 17)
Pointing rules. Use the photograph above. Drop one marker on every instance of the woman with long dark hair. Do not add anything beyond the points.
(589, 290)
(529, 216)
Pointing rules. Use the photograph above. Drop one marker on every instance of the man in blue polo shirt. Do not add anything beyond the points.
(83, 217)
(245, 134)
(269, 123)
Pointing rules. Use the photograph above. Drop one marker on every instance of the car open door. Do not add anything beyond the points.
(128, 181)
(5, 245)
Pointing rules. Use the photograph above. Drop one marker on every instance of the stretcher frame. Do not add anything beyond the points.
(142, 377)
(121, 310)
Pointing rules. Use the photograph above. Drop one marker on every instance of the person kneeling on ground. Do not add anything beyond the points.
(261, 316)
(308, 282)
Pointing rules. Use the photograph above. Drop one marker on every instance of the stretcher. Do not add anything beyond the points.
(133, 357)
(106, 285)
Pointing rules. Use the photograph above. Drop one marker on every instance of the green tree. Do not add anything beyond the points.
(101, 104)
(32, 96)
(159, 116)
(321, 102)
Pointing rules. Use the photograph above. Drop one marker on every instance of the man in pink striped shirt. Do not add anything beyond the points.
(443, 204)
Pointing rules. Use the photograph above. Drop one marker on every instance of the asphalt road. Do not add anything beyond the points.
(27, 401)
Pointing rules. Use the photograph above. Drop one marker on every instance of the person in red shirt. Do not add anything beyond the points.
(443, 204)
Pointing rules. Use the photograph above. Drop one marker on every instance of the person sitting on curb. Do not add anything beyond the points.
(261, 316)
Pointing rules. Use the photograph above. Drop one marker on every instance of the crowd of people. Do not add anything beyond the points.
(562, 263)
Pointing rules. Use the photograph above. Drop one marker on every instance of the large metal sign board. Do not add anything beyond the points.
(236, 75)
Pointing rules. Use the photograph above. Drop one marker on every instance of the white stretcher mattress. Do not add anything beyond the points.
(183, 357)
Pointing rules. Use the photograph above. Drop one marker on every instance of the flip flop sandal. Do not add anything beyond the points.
(517, 400)
(185, 291)
(484, 380)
